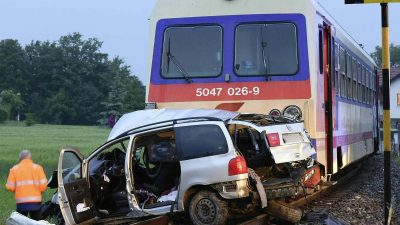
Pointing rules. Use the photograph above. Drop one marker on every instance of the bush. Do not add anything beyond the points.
(30, 119)
(3, 115)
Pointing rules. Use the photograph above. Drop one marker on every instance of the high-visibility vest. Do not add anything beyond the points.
(28, 181)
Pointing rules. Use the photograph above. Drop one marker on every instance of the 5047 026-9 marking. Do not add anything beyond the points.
(238, 91)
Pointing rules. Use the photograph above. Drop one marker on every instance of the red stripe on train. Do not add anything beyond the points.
(230, 91)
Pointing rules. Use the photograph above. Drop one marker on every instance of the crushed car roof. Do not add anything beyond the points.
(144, 118)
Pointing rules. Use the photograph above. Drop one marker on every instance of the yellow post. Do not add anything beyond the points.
(386, 111)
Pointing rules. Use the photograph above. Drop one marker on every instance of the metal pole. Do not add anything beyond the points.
(386, 110)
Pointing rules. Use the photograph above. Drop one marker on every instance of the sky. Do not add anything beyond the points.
(123, 27)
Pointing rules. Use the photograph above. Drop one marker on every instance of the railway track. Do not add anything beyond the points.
(315, 206)
(312, 206)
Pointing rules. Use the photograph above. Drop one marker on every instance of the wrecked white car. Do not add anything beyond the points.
(162, 161)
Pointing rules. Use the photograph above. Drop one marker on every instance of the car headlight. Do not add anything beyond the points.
(293, 111)
(275, 113)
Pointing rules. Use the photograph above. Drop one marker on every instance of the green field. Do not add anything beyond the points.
(45, 142)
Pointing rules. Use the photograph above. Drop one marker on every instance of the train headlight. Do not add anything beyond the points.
(275, 113)
(293, 111)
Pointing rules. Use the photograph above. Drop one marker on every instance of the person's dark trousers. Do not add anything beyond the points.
(33, 209)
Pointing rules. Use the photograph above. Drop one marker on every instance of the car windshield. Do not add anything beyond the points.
(190, 52)
(266, 49)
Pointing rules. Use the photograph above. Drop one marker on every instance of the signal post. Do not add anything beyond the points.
(386, 100)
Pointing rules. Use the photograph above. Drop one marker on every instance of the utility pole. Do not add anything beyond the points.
(386, 102)
(386, 111)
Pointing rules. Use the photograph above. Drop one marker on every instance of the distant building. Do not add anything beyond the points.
(394, 94)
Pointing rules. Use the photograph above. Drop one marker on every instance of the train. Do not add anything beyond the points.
(284, 57)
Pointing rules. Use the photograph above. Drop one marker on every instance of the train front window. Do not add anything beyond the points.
(266, 49)
(192, 51)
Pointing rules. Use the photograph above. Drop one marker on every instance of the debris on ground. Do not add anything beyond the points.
(19, 219)
(321, 218)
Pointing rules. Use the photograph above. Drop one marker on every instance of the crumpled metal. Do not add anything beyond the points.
(260, 187)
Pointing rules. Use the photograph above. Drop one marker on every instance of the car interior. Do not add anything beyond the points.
(156, 173)
(156, 170)
(253, 146)
(107, 180)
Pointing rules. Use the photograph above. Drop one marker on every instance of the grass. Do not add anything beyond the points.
(45, 143)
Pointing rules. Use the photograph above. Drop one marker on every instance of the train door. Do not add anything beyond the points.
(329, 95)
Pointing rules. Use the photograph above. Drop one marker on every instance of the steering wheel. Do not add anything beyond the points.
(116, 169)
(152, 169)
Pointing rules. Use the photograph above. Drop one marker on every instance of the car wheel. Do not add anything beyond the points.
(206, 208)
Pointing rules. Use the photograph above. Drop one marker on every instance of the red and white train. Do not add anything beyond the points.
(268, 56)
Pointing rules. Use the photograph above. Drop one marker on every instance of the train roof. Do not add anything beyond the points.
(147, 118)
(198, 8)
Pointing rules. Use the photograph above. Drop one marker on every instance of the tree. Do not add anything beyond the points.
(394, 55)
(135, 96)
(13, 70)
(126, 92)
(10, 102)
(69, 81)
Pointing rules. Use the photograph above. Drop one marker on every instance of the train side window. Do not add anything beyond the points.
(372, 86)
(349, 75)
(355, 69)
(359, 78)
(342, 72)
(337, 58)
(365, 85)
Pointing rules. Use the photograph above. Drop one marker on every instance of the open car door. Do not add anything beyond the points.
(73, 189)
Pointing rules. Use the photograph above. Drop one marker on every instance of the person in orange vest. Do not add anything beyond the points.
(28, 181)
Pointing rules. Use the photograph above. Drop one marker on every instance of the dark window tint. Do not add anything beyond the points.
(321, 53)
(200, 141)
(266, 49)
(194, 51)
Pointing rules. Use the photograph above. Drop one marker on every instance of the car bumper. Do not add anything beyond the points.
(234, 189)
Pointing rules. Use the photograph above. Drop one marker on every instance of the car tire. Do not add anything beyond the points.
(206, 208)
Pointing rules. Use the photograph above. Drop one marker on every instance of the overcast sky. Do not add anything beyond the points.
(123, 27)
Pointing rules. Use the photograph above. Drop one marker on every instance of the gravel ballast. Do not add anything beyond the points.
(364, 202)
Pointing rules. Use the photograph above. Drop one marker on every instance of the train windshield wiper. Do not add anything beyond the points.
(177, 64)
(264, 58)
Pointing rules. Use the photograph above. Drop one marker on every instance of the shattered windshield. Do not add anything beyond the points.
(190, 52)
(266, 49)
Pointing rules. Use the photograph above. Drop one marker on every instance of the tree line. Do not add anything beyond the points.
(394, 55)
(68, 81)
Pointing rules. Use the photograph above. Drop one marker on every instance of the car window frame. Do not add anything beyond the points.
(222, 127)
